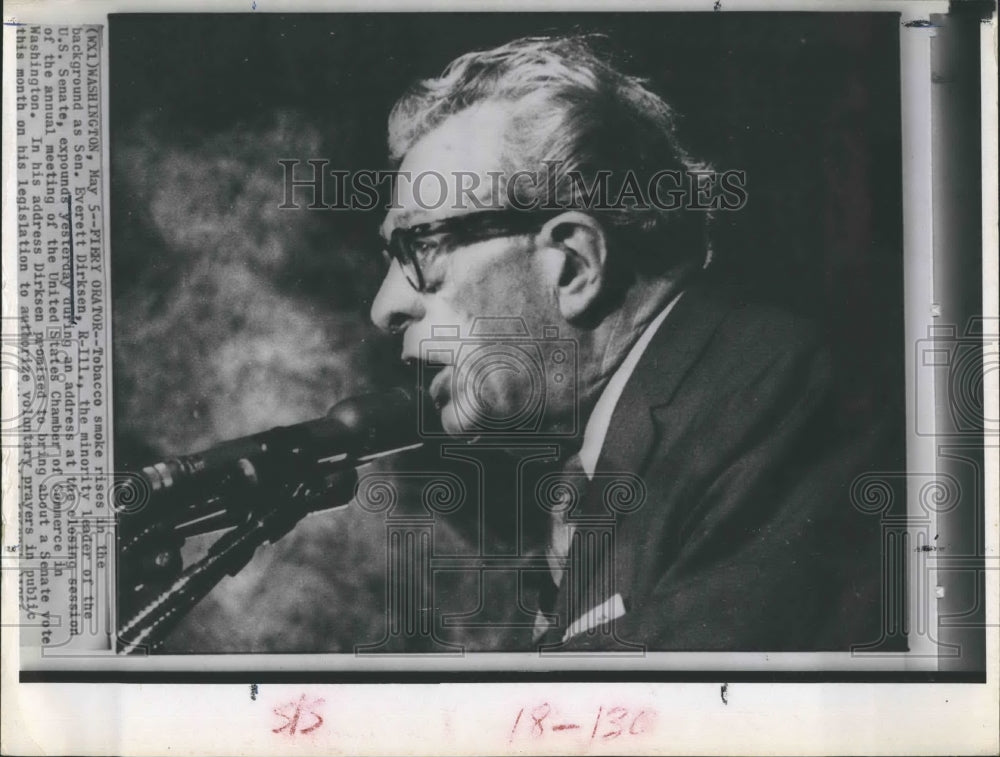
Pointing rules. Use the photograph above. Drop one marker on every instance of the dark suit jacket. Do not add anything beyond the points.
(747, 539)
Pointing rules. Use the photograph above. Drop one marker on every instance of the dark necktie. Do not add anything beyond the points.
(567, 491)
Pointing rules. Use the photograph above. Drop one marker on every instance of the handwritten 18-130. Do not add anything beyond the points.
(606, 723)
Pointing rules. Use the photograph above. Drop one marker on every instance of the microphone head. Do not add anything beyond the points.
(378, 422)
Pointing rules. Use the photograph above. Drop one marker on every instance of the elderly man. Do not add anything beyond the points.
(557, 210)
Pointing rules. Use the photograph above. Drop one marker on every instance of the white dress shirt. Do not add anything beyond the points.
(561, 532)
(597, 425)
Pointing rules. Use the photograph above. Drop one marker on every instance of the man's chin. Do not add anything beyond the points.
(450, 422)
(461, 427)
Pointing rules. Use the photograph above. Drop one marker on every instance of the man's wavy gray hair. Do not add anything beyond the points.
(570, 108)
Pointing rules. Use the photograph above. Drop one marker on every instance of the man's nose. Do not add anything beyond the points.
(397, 304)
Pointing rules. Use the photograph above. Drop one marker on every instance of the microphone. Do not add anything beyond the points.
(353, 431)
(258, 486)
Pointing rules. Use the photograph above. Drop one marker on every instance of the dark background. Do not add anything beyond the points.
(231, 315)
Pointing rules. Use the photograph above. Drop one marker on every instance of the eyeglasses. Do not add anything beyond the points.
(414, 247)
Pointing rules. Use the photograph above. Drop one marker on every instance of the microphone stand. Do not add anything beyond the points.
(259, 486)
(270, 513)
(227, 556)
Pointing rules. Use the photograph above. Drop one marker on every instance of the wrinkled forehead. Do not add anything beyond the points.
(448, 169)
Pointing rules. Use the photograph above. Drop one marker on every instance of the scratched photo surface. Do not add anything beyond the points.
(232, 315)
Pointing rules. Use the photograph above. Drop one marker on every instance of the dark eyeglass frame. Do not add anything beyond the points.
(462, 230)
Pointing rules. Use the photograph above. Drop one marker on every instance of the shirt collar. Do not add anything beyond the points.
(600, 419)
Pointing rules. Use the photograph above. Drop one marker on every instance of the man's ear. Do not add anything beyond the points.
(581, 246)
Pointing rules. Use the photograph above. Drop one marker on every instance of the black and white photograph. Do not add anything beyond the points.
(452, 380)
(614, 300)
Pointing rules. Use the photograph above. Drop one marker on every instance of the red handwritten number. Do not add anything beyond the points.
(517, 720)
(294, 712)
(617, 721)
(538, 715)
(635, 728)
(597, 722)
(615, 715)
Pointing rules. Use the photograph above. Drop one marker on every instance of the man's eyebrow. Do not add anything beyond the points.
(398, 221)
(404, 220)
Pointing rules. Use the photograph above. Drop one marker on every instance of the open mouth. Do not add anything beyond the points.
(439, 388)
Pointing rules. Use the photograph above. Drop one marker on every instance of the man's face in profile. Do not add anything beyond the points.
(462, 279)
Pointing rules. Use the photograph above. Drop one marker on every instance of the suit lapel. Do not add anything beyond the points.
(633, 434)
(675, 347)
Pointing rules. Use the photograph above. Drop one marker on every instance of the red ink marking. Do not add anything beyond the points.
(537, 729)
(632, 729)
(293, 712)
(516, 721)
(615, 715)
(609, 724)
(596, 722)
